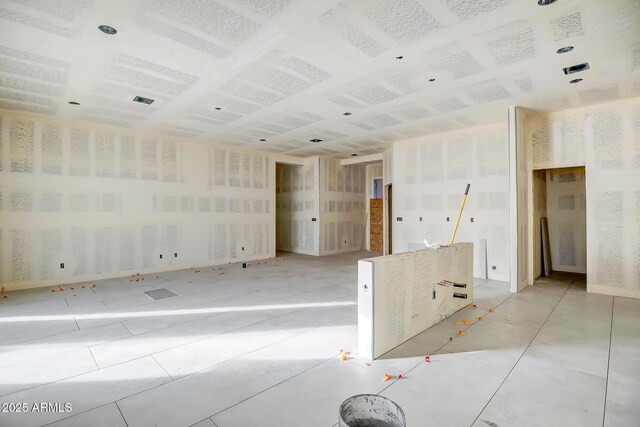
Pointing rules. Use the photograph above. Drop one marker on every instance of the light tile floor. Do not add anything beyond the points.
(259, 347)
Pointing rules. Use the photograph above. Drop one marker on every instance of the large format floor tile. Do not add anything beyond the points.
(260, 346)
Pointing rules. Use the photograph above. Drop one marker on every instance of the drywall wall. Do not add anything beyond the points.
(605, 139)
(297, 207)
(342, 207)
(520, 199)
(401, 295)
(430, 174)
(373, 171)
(108, 202)
(566, 212)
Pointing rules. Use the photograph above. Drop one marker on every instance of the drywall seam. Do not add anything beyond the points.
(429, 179)
(108, 201)
(604, 138)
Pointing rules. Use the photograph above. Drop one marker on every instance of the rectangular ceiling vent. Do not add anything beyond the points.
(576, 68)
(143, 100)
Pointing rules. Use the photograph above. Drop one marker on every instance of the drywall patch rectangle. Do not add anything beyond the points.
(105, 153)
(149, 160)
(127, 157)
(21, 145)
(79, 152)
(51, 150)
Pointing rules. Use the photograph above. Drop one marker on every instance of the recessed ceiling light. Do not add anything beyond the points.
(217, 108)
(574, 81)
(399, 57)
(346, 114)
(353, 155)
(143, 100)
(315, 140)
(576, 68)
(74, 103)
(565, 49)
(107, 29)
(263, 140)
(545, 2)
(432, 80)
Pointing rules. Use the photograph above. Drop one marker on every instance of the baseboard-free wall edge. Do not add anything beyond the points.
(122, 274)
(341, 251)
(614, 291)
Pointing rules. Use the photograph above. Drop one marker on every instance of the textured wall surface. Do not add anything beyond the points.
(429, 178)
(606, 139)
(342, 207)
(107, 202)
(297, 196)
(566, 210)
(401, 295)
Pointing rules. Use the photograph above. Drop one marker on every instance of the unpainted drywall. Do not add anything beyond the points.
(520, 189)
(430, 174)
(297, 207)
(606, 140)
(342, 207)
(373, 171)
(108, 202)
(399, 295)
(566, 212)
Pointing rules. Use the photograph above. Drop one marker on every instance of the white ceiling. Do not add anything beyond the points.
(287, 70)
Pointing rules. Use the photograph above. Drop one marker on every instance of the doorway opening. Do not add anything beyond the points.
(375, 209)
(559, 221)
(286, 218)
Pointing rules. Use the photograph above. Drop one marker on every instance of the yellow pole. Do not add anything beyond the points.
(464, 199)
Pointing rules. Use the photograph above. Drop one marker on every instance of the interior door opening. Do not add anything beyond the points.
(559, 221)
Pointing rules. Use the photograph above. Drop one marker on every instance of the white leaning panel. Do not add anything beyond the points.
(396, 299)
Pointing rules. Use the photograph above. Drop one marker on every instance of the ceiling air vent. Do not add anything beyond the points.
(576, 68)
(143, 100)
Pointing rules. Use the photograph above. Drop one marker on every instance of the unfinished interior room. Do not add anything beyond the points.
(331, 213)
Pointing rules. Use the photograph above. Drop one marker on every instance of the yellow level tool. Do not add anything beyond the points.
(464, 200)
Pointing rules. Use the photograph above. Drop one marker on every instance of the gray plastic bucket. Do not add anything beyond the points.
(370, 410)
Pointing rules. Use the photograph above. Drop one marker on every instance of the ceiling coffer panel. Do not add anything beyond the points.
(511, 43)
(567, 26)
(280, 81)
(487, 92)
(467, 9)
(184, 37)
(210, 17)
(453, 59)
(373, 93)
(403, 20)
(306, 69)
(63, 9)
(37, 23)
